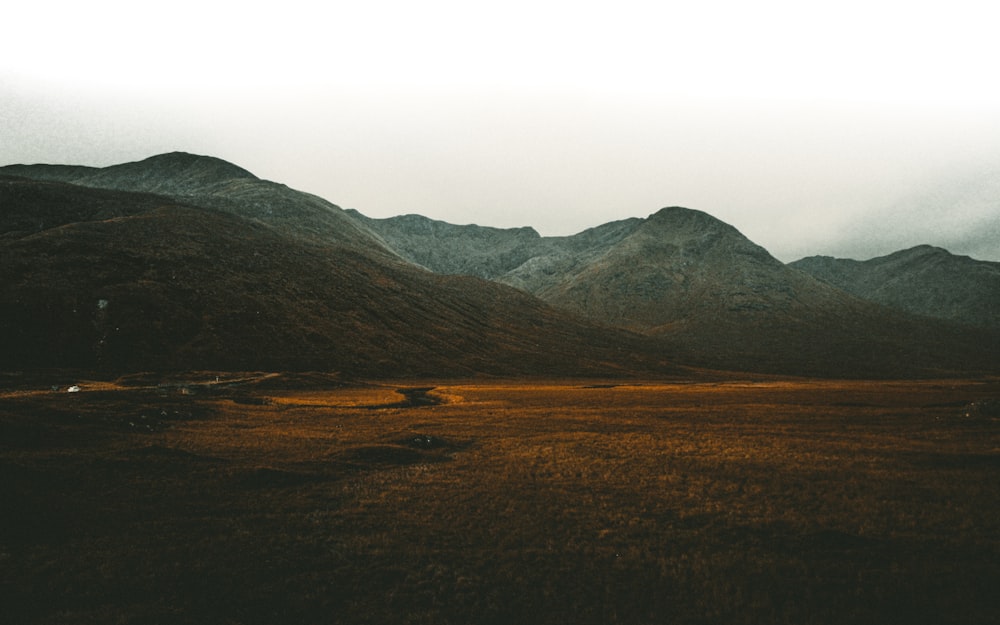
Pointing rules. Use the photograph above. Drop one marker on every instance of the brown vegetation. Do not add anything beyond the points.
(279, 499)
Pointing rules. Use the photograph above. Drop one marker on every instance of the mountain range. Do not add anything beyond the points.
(187, 261)
(708, 294)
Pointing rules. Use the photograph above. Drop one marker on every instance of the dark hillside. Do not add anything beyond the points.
(213, 183)
(127, 282)
(183, 259)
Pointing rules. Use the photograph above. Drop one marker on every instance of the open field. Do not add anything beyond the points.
(298, 499)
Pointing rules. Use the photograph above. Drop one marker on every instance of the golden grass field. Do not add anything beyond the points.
(251, 501)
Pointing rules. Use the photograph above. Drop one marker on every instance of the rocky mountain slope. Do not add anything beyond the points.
(213, 183)
(451, 249)
(923, 280)
(117, 280)
(516, 256)
(644, 274)
(671, 266)
(696, 286)
(184, 261)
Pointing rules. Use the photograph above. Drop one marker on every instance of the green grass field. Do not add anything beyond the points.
(794, 501)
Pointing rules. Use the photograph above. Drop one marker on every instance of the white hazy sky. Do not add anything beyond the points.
(852, 128)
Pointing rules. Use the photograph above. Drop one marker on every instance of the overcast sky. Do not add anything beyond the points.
(851, 129)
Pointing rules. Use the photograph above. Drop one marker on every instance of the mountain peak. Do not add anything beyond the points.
(920, 251)
(688, 221)
(680, 214)
(185, 161)
(173, 173)
(696, 233)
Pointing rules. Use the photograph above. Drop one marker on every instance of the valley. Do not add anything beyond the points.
(301, 498)
(225, 401)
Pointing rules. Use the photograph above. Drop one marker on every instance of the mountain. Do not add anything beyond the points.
(715, 298)
(700, 289)
(673, 265)
(213, 183)
(516, 256)
(644, 274)
(184, 261)
(922, 280)
(456, 250)
(176, 173)
(113, 280)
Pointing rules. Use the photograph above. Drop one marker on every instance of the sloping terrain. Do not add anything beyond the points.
(676, 264)
(456, 250)
(700, 289)
(213, 183)
(923, 280)
(516, 256)
(273, 275)
(717, 299)
(123, 281)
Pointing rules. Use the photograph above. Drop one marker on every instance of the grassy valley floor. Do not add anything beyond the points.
(299, 499)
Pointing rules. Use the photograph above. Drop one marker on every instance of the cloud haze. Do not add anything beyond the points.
(811, 130)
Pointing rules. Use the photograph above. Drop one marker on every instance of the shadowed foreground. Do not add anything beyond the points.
(277, 500)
